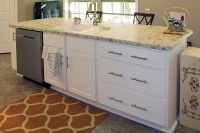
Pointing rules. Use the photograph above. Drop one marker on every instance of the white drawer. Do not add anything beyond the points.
(110, 96)
(80, 45)
(155, 79)
(135, 55)
(54, 40)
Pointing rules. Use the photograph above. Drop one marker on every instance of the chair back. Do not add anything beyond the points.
(90, 14)
(143, 16)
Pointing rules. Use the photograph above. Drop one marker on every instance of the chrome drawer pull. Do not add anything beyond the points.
(112, 98)
(143, 58)
(67, 62)
(138, 107)
(114, 52)
(115, 74)
(14, 34)
(61, 60)
(144, 81)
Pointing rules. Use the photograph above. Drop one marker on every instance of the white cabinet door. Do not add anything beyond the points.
(13, 48)
(8, 14)
(81, 75)
(59, 80)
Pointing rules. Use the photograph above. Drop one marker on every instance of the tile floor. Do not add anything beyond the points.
(14, 87)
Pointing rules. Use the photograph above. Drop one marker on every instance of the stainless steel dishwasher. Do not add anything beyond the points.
(29, 52)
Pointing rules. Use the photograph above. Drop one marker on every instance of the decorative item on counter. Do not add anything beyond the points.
(77, 21)
(175, 19)
(55, 13)
(48, 13)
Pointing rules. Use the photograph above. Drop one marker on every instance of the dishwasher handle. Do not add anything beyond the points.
(26, 36)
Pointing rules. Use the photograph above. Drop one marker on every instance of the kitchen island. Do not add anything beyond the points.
(130, 70)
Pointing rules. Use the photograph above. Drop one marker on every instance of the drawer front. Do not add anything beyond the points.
(132, 54)
(141, 106)
(80, 45)
(54, 40)
(134, 77)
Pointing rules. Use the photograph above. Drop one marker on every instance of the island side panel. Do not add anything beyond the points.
(173, 84)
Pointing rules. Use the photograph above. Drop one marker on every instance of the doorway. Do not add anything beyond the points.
(8, 15)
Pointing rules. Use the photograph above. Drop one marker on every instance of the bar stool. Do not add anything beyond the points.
(144, 17)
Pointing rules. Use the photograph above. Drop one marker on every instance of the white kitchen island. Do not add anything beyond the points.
(130, 70)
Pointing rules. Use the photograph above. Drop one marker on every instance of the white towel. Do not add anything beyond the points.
(53, 63)
(52, 55)
(45, 54)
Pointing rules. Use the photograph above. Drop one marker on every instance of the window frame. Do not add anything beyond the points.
(67, 12)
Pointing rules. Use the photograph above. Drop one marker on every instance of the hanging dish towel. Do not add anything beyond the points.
(52, 55)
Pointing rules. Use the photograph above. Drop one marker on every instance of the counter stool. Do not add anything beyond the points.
(144, 16)
(90, 14)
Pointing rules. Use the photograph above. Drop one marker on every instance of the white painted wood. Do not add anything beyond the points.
(54, 40)
(172, 83)
(7, 16)
(189, 88)
(13, 48)
(66, 8)
(60, 80)
(154, 107)
(155, 58)
(158, 95)
(155, 79)
(117, 112)
(81, 75)
(80, 45)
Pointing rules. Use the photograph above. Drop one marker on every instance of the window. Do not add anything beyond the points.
(78, 8)
(120, 11)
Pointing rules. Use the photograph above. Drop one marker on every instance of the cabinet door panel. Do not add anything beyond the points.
(59, 79)
(81, 75)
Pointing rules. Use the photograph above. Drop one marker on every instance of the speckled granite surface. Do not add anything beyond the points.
(129, 34)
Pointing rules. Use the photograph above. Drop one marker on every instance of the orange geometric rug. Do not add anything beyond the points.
(47, 111)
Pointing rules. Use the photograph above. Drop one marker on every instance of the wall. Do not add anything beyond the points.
(30, 9)
(26, 9)
(158, 7)
(21, 10)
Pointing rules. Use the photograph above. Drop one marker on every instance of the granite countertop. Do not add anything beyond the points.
(130, 34)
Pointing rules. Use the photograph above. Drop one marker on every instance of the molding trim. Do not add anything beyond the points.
(16, 10)
(136, 5)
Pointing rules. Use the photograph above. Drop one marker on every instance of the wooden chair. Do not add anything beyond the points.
(144, 17)
(90, 14)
